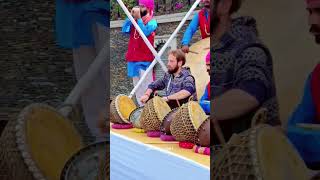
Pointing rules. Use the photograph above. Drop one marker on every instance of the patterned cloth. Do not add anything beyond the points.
(184, 81)
(241, 61)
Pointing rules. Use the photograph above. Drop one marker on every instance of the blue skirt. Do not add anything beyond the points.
(135, 67)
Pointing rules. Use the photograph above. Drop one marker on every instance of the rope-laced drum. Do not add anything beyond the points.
(90, 163)
(153, 113)
(121, 108)
(187, 121)
(38, 144)
(261, 153)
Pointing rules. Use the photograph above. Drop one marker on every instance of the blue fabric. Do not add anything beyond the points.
(147, 29)
(130, 160)
(135, 67)
(307, 142)
(74, 21)
(205, 102)
(192, 28)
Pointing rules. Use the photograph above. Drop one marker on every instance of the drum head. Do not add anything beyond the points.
(135, 117)
(161, 107)
(46, 140)
(277, 157)
(125, 106)
(196, 113)
(89, 163)
(197, 64)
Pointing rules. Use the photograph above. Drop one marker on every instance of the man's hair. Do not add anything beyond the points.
(179, 55)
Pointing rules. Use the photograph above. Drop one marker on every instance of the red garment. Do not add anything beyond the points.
(138, 51)
(204, 24)
(315, 90)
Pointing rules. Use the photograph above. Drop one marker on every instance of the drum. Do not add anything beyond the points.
(262, 152)
(187, 121)
(166, 122)
(90, 163)
(121, 108)
(38, 144)
(153, 113)
(196, 61)
(203, 134)
(134, 117)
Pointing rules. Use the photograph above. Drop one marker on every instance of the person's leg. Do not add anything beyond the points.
(94, 99)
(144, 85)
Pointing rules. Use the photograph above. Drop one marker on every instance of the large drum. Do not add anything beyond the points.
(187, 121)
(90, 163)
(196, 62)
(262, 152)
(38, 144)
(121, 108)
(153, 113)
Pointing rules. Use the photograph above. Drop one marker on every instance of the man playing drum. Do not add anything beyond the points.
(138, 56)
(200, 20)
(205, 99)
(178, 82)
(307, 141)
(241, 69)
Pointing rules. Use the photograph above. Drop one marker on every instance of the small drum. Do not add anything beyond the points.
(165, 125)
(187, 121)
(90, 163)
(121, 108)
(135, 117)
(262, 152)
(37, 145)
(203, 134)
(153, 113)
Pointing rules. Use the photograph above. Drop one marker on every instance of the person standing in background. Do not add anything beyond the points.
(82, 25)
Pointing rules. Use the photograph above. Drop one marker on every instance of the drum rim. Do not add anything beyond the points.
(67, 165)
(161, 126)
(22, 141)
(117, 107)
(156, 110)
(189, 111)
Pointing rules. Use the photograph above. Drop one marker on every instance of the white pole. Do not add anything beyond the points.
(86, 79)
(154, 52)
(165, 46)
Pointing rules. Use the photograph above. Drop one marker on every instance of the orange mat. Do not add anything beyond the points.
(172, 147)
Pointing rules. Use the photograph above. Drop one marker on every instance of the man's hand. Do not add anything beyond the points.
(165, 99)
(136, 13)
(185, 49)
(144, 98)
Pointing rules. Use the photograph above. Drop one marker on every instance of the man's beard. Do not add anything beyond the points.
(173, 70)
(315, 29)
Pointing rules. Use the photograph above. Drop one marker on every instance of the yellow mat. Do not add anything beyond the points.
(172, 147)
